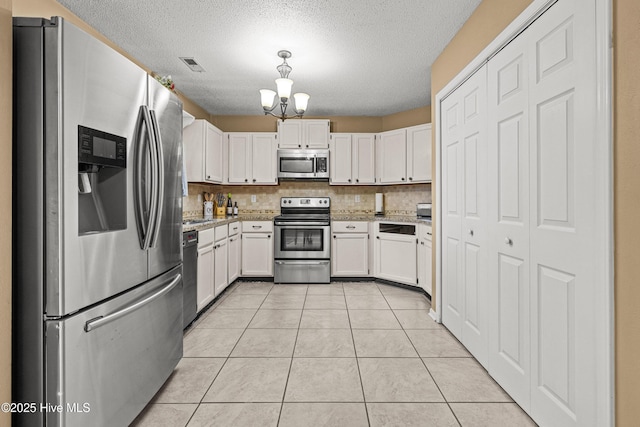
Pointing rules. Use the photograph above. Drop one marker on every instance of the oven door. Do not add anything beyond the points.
(302, 240)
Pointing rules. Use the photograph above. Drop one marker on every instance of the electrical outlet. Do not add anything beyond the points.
(253, 198)
(357, 198)
(200, 198)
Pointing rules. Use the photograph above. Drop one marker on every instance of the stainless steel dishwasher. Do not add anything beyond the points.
(189, 276)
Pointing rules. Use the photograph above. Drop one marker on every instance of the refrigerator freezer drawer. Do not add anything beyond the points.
(111, 360)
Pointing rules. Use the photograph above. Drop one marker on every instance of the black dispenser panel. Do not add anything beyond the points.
(101, 148)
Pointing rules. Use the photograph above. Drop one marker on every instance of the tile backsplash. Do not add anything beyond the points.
(398, 199)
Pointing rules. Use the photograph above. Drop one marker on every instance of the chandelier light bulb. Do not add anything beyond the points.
(301, 100)
(267, 96)
(284, 88)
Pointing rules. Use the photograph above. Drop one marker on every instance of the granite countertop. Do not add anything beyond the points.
(391, 218)
(199, 226)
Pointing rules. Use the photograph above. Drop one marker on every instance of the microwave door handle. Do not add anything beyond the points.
(159, 177)
(315, 165)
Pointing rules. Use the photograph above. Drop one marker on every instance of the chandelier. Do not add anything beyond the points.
(284, 92)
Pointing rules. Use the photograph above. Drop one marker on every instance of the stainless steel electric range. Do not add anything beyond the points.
(302, 241)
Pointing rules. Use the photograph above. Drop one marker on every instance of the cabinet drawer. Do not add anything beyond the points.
(206, 237)
(234, 228)
(257, 226)
(221, 232)
(350, 227)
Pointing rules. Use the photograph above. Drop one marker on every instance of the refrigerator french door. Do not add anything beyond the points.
(97, 285)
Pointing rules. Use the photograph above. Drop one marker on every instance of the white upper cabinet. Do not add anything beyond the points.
(352, 158)
(392, 157)
(303, 134)
(340, 158)
(252, 158)
(419, 153)
(404, 155)
(203, 152)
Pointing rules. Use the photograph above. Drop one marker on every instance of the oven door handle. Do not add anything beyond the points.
(302, 262)
(299, 223)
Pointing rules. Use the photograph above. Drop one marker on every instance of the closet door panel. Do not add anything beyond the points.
(564, 242)
(508, 212)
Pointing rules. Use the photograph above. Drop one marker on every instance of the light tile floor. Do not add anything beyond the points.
(345, 354)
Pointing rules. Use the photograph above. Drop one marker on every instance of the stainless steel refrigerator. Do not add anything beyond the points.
(97, 270)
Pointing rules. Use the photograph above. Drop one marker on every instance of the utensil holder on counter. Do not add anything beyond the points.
(208, 210)
(221, 211)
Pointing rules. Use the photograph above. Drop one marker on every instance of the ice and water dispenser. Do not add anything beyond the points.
(102, 181)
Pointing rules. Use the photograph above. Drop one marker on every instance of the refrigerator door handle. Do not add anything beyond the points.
(159, 177)
(144, 223)
(103, 320)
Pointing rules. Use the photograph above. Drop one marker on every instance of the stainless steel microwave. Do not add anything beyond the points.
(303, 164)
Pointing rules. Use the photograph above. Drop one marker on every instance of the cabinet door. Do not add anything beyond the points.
(239, 157)
(205, 289)
(363, 163)
(263, 154)
(419, 153)
(340, 158)
(396, 256)
(213, 154)
(393, 157)
(316, 133)
(350, 254)
(194, 151)
(257, 254)
(221, 263)
(290, 134)
(234, 258)
(428, 267)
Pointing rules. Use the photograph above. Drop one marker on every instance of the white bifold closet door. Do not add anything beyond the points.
(464, 156)
(520, 236)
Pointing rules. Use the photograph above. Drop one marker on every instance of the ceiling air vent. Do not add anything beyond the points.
(192, 64)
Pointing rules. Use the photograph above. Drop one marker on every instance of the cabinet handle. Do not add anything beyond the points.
(246, 180)
(357, 180)
(351, 227)
(208, 176)
(428, 233)
(508, 241)
(299, 145)
(378, 237)
(403, 179)
(307, 145)
(269, 236)
(410, 178)
(254, 180)
(349, 180)
(257, 227)
(334, 236)
(470, 232)
(422, 243)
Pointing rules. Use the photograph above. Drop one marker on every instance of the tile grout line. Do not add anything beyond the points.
(293, 352)
(229, 356)
(355, 351)
(422, 361)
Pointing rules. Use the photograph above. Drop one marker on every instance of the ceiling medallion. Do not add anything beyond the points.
(283, 85)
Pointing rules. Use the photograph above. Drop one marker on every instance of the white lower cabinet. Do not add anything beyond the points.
(205, 288)
(257, 249)
(220, 270)
(350, 249)
(395, 253)
(234, 252)
(424, 257)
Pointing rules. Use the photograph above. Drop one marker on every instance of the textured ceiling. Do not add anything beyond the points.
(353, 57)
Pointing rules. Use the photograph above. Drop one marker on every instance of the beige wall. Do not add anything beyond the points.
(350, 124)
(486, 22)
(626, 207)
(5, 207)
